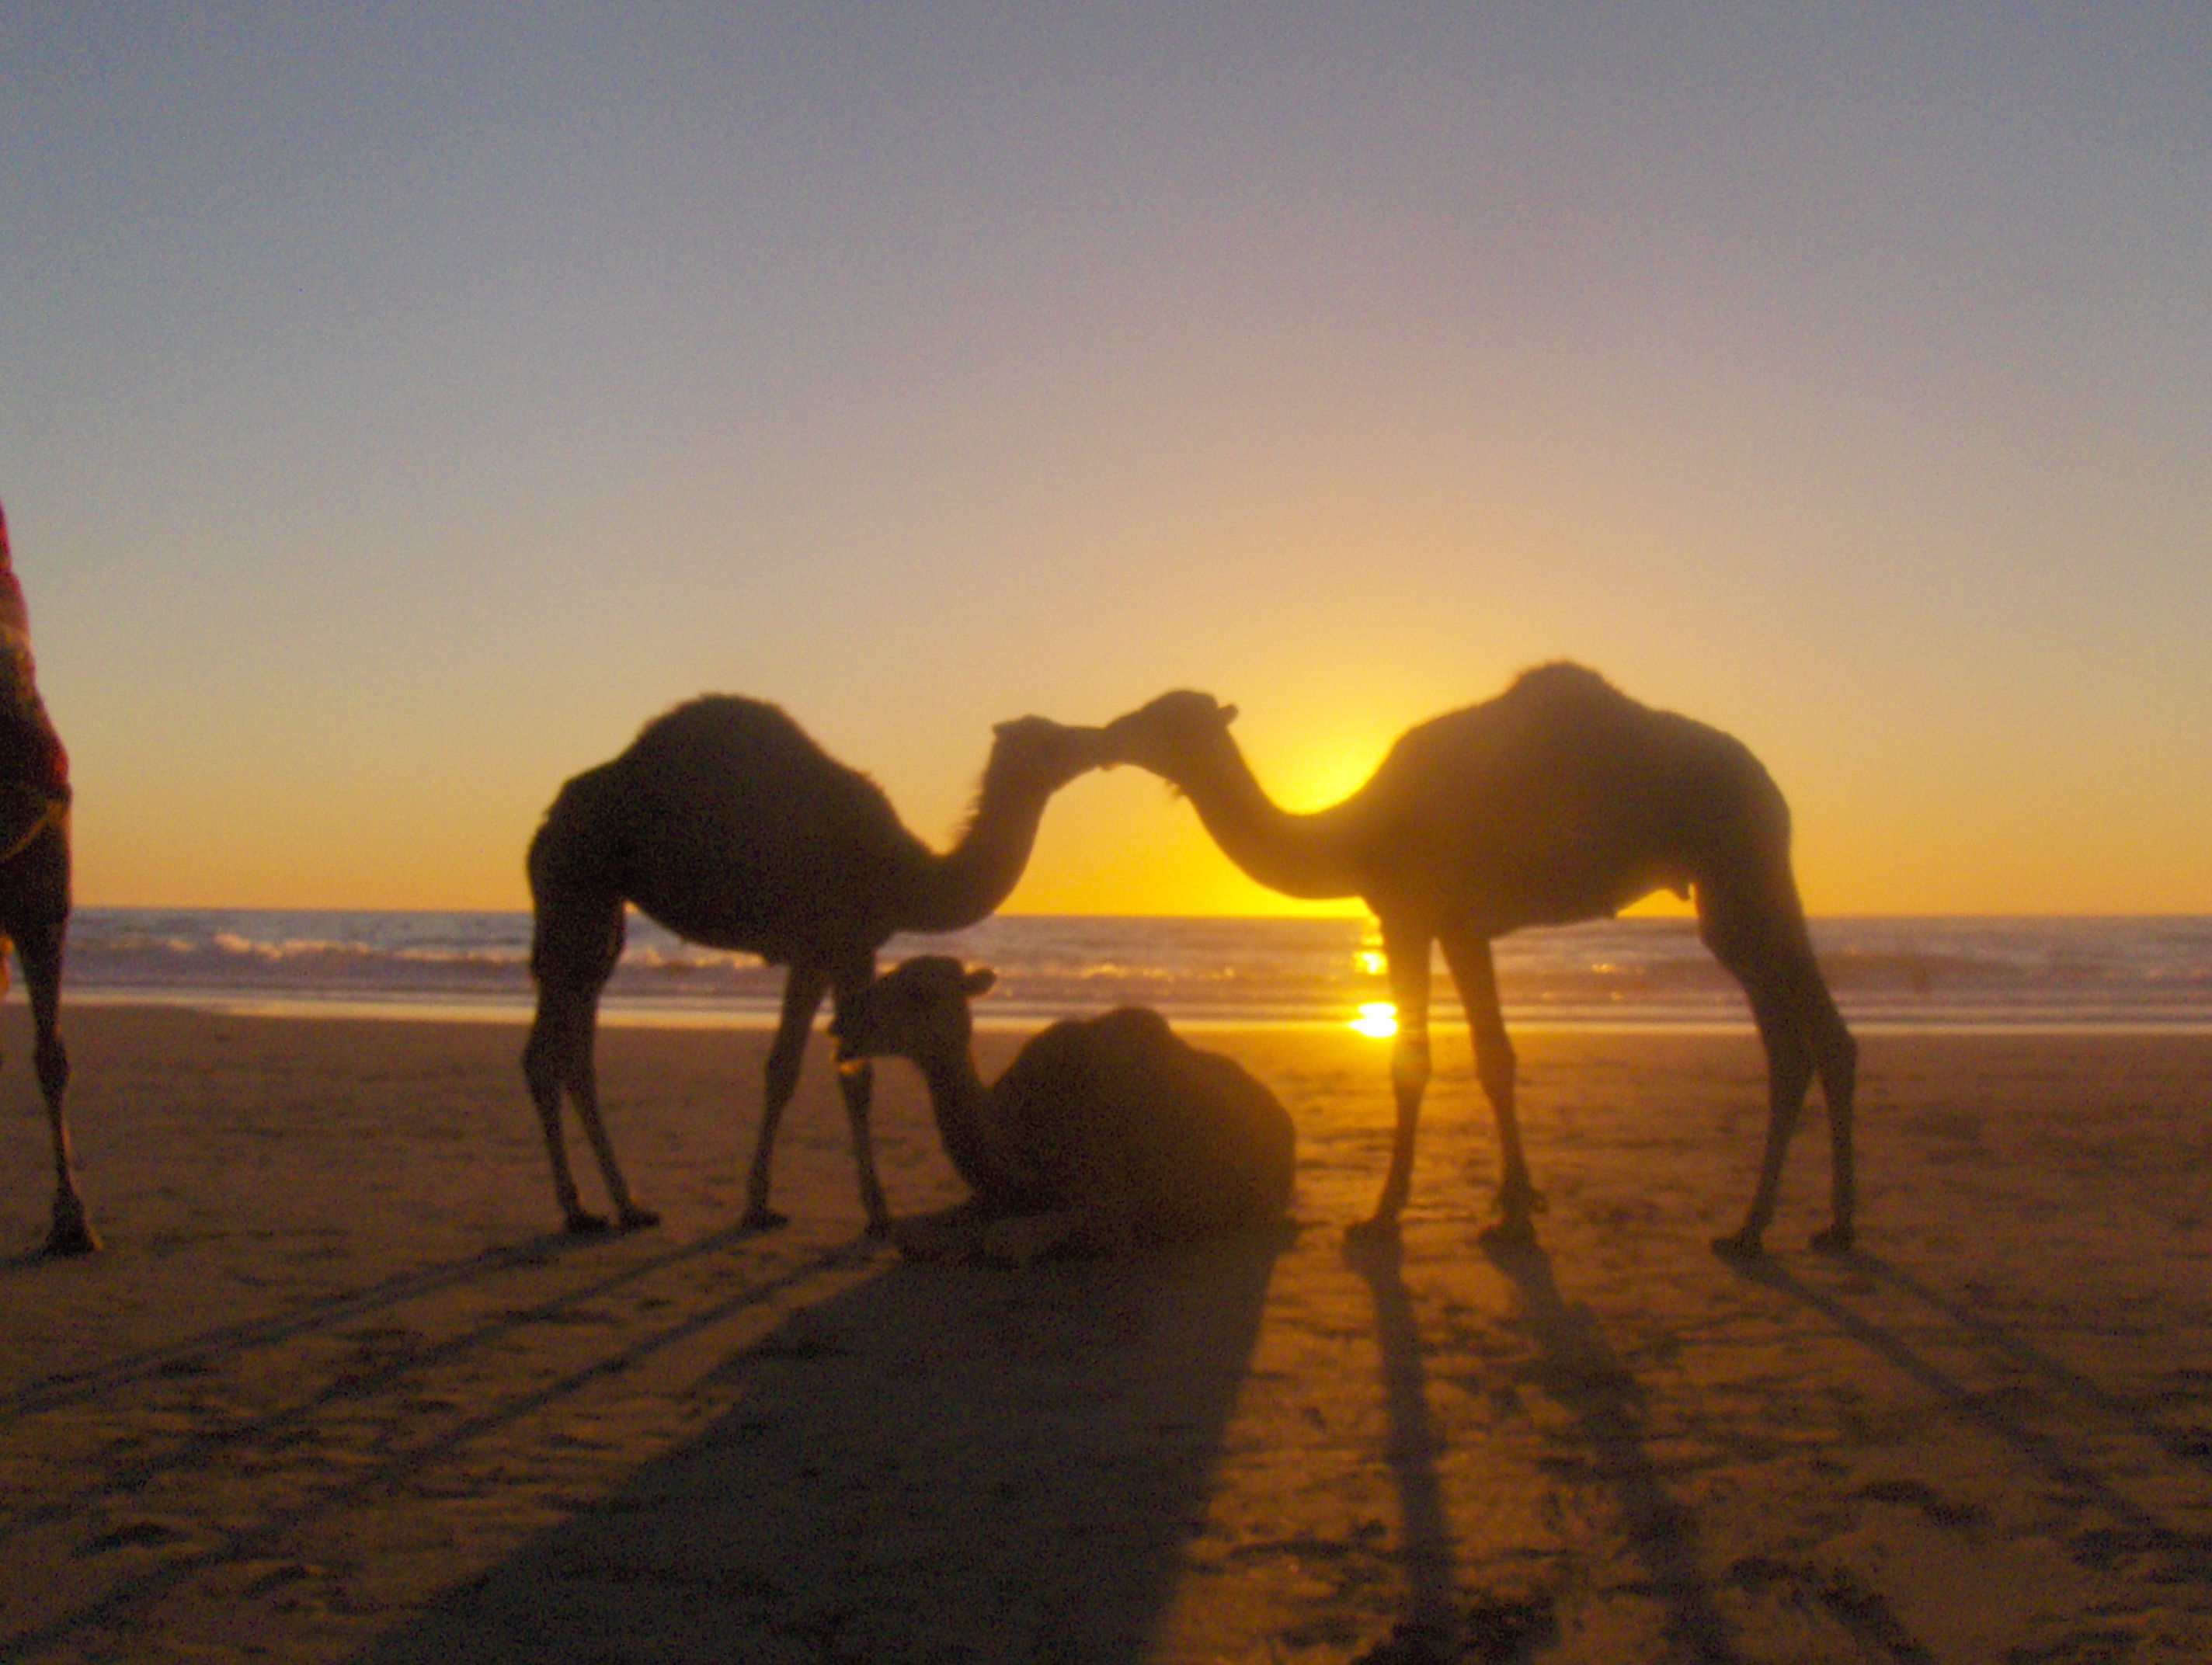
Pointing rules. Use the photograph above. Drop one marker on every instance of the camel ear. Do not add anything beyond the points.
(1228, 715)
(978, 981)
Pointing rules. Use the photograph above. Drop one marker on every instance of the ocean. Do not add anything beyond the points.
(1922, 974)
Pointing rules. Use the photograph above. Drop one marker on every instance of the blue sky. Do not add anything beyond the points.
(395, 412)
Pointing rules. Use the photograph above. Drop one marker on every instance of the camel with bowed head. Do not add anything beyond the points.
(1561, 799)
(1104, 1134)
(34, 884)
(724, 823)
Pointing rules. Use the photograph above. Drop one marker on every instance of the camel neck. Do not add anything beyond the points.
(961, 1104)
(1307, 856)
(970, 880)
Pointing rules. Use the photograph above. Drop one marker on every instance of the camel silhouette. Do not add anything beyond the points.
(729, 826)
(34, 884)
(1104, 1134)
(1561, 799)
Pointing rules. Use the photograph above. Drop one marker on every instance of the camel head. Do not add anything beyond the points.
(918, 1010)
(1036, 754)
(1173, 736)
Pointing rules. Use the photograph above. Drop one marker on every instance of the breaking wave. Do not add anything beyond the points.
(1932, 972)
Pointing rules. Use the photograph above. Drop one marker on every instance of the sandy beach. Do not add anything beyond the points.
(337, 1392)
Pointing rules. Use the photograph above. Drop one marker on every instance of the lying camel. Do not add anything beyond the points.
(1104, 1134)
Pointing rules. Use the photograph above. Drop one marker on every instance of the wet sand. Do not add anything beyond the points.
(337, 1392)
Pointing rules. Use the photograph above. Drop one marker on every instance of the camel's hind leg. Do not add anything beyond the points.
(1836, 1056)
(802, 997)
(34, 908)
(39, 945)
(577, 942)
(1768, 949)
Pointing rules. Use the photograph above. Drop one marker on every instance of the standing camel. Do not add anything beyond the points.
(1561, 799)
(34, 884)
(726, 824)
(1102, 1135)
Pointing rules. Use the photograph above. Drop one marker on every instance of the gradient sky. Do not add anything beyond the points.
(396, 412)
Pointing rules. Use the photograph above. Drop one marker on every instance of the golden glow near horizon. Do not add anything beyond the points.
(383, 450)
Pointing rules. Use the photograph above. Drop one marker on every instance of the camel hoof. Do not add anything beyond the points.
(1836, 1240)
(761, 1218)
(72, 1233)
(582, 1225)
(635, 1219)
(1740, 1246)
(880, 1225)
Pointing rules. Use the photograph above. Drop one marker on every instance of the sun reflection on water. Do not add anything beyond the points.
(1377, 1018)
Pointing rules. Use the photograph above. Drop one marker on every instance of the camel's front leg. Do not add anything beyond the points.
(856, 1080)
(557, 1034)
(802, 995)
(556, 1059)
(1407, 951)
(584, 1087)
(1472, 967)
(576, 941)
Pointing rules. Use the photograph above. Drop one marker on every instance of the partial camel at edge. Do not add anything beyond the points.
(1104, 1135)
(34, 885)
(725, 824)
(1561, 799)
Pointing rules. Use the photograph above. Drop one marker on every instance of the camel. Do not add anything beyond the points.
(34, 884)
(1561, 799)
(724, 821)
(1104, 1134)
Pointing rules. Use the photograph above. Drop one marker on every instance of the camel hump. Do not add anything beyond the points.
(738, 777)
(721, 736)
(1563, 684)
(1207, 1140)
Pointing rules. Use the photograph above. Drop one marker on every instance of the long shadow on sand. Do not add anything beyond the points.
(1425, 1531)
(2118, 1527)
(193, 1354)
(1582, 1374)
(120, 1602)
(2183, 1445)
(208, 1354)
(946, 1462)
